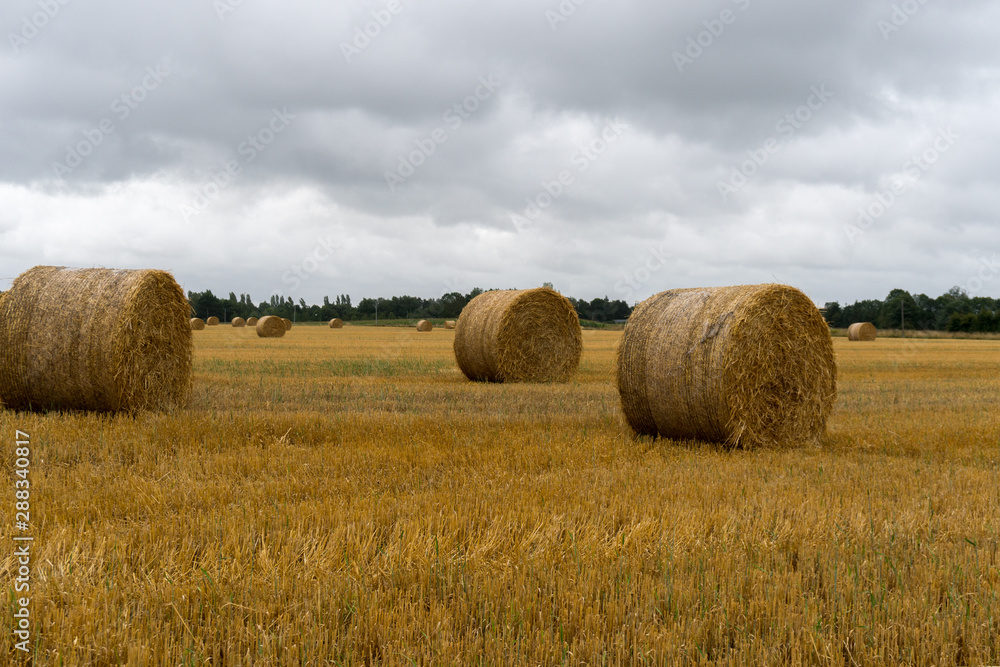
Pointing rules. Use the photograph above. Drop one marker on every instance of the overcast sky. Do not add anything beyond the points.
(420, 147)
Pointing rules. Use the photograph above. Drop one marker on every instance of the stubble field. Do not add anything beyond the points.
(347, 497)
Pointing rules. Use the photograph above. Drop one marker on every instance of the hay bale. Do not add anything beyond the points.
(862, 331)
(745, 365)
(424, 325)
(271, 327)
(519, 335)
(336, 323)
(213, 321)
(288, 323)
(94, 339)
(450, 324)
(197, 324)
(252, 322)
(239, 322)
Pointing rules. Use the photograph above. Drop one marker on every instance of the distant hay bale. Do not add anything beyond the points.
(862, 331)
(94, 339)
(270, 326)
(519, 336)
(424, 325)
(746, 365)
(450, 324)
(336, 323)
(213, 321)
(239, 322)
(252, 322)
(288, 323)
(197, 324)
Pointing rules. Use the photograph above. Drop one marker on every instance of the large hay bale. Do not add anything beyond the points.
(197, 324)
(449, 324)
(94, 339)
(862, 331)
(336, 323)
(288, 323)
(270, 326)
(239, 322)
(519, 335)
(213, 321)
(424, 325)
(745, 365)
(252, 322)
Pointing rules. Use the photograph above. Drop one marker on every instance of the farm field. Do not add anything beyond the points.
(348, 497)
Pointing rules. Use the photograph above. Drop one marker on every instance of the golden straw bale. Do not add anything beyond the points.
(288, 323)
(239, 322)
(94, 339)
(519, 335)
(745, 365)
(252, 322)
(213, 321)
(197, 324)
(862, 331)
(450, 324)
(336, 323)
(424, 325)
(270, 326)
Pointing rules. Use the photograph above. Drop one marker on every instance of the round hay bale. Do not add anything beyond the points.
(424, 325)
(197, 324)
(746, 365)
(862, 331)
(271, 327)
(336, 323)
(239, 322)
(213, 321)
(450, 324)
(252, 322)
(519, 335)
(94, 339)
(288, 323)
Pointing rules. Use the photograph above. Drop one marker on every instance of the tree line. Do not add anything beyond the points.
(954, 310)
(448, 306)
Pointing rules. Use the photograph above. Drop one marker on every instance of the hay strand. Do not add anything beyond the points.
(197, 324)
(94, 339)
(239, 322)
(862, 331)
(424, 325)
(336, 323)
(519, 336)
(270, 326)
(746, 365)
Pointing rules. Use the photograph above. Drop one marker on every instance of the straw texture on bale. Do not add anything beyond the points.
(861, 331)
(239, 322)
(745, 366)
(197, 324)
(212, 321)
(450, 324)
(271, 327)
(252, 322)
(336, 323)
(519, 335)
(288, 323)
(94, 339)
(424, 325)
